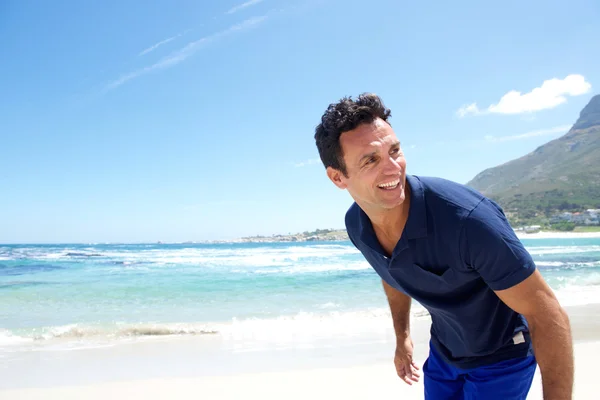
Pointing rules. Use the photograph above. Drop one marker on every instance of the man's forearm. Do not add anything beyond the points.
(400, 310)
(553, 348)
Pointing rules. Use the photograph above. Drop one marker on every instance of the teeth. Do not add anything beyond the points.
(391, 184)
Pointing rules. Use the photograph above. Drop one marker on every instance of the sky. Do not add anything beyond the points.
(189, 121)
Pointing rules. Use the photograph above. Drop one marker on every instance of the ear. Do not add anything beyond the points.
(336, 177)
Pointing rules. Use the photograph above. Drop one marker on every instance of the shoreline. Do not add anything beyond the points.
(190, 367)
(558, 235)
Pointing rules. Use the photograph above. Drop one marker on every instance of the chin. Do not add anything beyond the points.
(390, 204)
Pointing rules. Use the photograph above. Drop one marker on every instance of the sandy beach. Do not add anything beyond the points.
(363, 371)
(357, 382)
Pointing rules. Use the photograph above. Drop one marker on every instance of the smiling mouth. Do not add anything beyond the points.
(389, 185)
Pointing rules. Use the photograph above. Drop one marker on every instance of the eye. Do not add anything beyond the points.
(369, 161)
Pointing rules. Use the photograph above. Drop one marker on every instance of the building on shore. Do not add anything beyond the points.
(587, 217)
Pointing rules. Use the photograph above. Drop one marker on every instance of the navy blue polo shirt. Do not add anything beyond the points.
(457, 247)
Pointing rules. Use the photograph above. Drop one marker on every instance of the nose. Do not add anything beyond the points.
(392, 166)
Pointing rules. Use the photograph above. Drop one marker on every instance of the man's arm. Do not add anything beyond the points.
(489, 245)
(400, 310)
(550, 333)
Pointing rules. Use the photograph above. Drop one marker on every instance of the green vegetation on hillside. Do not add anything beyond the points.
(563, 226)
(587, 229)
(562, 175)
(537, 207)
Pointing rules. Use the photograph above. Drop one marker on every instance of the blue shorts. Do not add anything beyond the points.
(504, 380)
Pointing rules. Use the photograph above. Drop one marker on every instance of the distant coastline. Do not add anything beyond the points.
(319, 235)
(341, 235)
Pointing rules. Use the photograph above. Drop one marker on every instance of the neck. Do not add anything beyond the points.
(391, 222)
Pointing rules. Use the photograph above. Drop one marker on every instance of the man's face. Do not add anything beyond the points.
(375, 165)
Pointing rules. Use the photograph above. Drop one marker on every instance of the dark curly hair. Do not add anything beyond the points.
(344, 116)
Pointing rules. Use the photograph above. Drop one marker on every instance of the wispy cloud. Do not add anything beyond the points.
(527, 135)
(550, 94)
(185, 52)
(311, 161)
(468, 109)
(242, 6)
(157, 45)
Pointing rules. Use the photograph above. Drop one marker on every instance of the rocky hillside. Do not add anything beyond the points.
(563, 174)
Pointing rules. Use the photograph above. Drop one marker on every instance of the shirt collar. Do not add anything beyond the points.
(416, 225)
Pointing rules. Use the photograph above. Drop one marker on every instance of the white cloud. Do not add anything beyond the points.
(468, 109)
(242, 6)
(550, 94)
(156, 45)
(308, 162)
(527, 135)
(185, 52)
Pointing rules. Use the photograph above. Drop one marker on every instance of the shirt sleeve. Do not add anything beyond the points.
(352, 240)
(349, 222)
(489, 245)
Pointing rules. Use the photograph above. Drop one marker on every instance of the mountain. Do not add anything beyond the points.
(561, 175)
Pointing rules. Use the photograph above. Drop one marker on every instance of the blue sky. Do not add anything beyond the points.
(183, 120)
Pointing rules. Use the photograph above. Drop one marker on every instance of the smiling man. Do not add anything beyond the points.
(494, 318)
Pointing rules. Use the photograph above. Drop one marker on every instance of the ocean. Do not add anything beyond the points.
(251, 295)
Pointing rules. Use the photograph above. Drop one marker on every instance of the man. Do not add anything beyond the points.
(494, 318)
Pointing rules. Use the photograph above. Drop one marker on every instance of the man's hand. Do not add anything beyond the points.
(400, 308)
(406, 368)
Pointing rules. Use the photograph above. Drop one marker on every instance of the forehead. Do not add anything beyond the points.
(367, 138)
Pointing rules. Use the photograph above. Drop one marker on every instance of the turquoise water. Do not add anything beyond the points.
(115, 291)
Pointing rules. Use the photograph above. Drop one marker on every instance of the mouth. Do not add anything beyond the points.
(389, 185)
